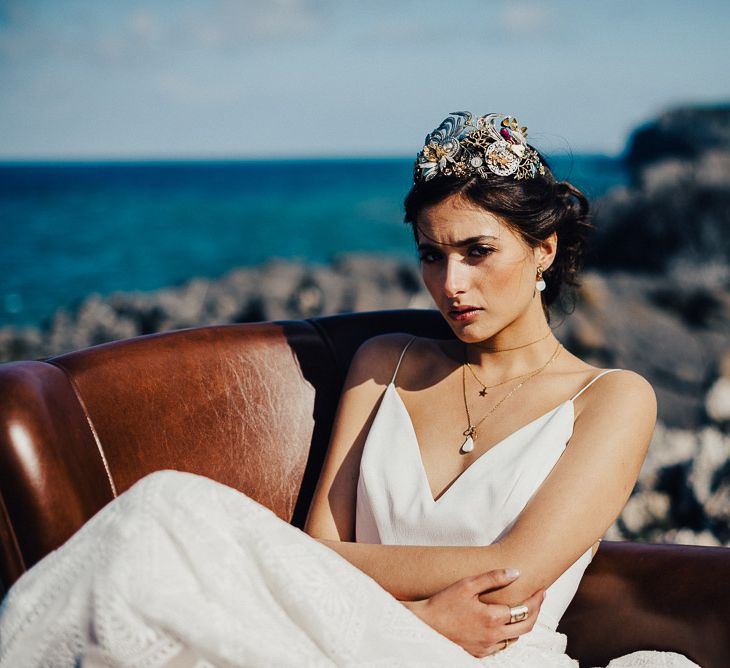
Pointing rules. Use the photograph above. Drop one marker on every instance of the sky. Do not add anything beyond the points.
(126, 79)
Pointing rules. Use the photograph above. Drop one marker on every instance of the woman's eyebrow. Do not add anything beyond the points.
(457, 244)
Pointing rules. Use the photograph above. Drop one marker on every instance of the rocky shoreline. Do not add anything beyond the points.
(676, 332)
(655, 299)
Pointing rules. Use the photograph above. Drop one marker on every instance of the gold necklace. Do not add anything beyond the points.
(483, 391)
(524, 345)
(471, 431)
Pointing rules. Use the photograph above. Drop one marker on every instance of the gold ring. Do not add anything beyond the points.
(518, 613)
(507, 642)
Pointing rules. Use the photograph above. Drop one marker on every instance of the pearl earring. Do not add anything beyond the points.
(540, 281)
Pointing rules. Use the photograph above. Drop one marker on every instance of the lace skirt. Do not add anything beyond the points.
(183, 572)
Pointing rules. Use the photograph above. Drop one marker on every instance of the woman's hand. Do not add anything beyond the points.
(480, 628)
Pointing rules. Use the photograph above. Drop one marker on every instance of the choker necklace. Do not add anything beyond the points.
(471, 431)
(524, 345)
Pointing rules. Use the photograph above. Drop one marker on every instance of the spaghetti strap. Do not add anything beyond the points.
(603, 373)
(400, 359)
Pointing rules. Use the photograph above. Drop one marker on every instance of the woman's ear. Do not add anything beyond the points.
(545, 251)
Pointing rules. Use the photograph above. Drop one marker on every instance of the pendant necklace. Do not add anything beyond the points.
(471, 431)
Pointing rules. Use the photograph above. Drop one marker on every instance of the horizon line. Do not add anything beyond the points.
(167, 159)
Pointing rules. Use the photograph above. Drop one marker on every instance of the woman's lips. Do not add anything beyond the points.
(466, 313)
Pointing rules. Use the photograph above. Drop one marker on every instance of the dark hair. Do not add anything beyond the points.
(534, 208)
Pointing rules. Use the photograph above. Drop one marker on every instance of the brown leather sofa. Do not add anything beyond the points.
(251, 406)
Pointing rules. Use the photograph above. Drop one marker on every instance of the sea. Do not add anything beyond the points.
(68, 229)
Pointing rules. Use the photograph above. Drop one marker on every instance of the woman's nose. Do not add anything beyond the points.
(454, 278)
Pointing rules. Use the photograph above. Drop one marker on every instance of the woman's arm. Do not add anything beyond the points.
(575, 505)
(332, 512)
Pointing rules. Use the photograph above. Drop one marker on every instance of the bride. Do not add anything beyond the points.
(466, 488)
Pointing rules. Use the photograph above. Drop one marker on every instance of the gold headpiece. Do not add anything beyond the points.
(463, 146)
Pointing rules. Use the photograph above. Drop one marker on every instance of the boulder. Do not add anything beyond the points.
(683, 133)
(676, 209)
(717, 401)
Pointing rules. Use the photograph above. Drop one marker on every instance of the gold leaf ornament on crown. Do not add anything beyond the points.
(465, 145)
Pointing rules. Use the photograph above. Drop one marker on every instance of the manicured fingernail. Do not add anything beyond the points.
(511, 573)
(544, 594)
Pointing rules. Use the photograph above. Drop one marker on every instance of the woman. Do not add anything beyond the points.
(466, 478)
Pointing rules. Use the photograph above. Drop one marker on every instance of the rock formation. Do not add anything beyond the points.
(675, 215)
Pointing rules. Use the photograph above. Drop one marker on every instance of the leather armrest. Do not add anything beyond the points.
(51, 472)
(653, 597)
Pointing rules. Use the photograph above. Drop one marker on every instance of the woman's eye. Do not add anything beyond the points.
(429, 256)
(480, 251)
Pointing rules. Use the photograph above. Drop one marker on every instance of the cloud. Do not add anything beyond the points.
(230, 24)
(85, 31)
(144, 25)
(526, 19)
(281, 19)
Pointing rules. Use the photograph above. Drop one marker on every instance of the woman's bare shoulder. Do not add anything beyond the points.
(377, 357)
(612, 381)
(621, 394)
(604, 383)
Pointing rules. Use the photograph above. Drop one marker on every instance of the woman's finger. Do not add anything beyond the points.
(500, 615)
(496, 647)
(491, 580)
(518, 628)
(533, 607)
(534, 603)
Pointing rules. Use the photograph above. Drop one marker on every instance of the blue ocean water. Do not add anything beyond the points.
(69, 229)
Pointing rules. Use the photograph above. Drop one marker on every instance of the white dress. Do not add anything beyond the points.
(183, 572)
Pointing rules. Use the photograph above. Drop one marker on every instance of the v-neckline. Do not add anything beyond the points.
(426, 483)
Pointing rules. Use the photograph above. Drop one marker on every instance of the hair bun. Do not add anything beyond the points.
(571, 198)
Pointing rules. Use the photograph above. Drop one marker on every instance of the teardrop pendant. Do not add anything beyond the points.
(540, 285)
(467, 445)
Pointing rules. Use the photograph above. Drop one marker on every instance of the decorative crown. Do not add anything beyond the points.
(463, 146)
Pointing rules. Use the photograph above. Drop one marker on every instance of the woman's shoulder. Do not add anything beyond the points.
(378, 356)
(613, 380)
(589, 379)
(614, 412)
(620, 391)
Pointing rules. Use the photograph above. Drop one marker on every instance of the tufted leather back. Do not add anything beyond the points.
(251, 406)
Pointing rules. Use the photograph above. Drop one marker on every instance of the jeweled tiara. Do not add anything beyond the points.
(464, 145)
